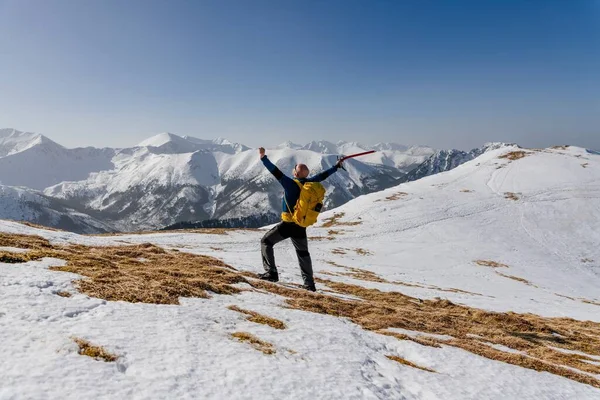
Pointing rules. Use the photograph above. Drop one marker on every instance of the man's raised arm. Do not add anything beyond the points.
(280, 176)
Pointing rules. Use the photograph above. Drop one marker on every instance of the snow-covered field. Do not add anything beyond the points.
(537, 218)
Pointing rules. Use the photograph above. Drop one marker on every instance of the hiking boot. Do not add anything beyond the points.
(310, 287)
(271, 276)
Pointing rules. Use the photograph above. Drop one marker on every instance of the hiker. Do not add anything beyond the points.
(288, 228)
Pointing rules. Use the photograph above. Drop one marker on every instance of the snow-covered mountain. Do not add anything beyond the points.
(389, 154)
(23, 204)
(445, 160)
(171, 143)
(476, 283)
(168, 178)
(33, 160)
(150, 188)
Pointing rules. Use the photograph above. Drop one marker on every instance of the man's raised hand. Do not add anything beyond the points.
(261, 150)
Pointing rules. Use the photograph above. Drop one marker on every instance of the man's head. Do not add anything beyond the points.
(301, 171)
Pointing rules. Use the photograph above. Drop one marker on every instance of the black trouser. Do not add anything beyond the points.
(280, 232)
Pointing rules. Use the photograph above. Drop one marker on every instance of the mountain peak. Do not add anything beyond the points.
(13, 141)
(288, 144)
(161, 139)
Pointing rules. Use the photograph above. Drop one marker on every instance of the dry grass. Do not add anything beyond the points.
(96, 352)
(516, 278)
(584, 165)
(114, 273)
(466, 191)
(334, 221)
(590, 302)
(321, 238)
(396, 196)
(63, 294)
(528, 333)
(363, 275)
(334, 232)
(566, 297)
(216, 248)
(335, 264)
(492, 264)
(515, 155)
(338, 250)
(255, 342)
(408, 363)
(587, 260)
(8, 257)
(253, 316)
(422, 340)
(511, 196)
(561, 147)
(362, 252)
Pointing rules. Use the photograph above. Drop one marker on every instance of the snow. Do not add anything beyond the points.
(431, 235)
(169, 178)
(33, 160)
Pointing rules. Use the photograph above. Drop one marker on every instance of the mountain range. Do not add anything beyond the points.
(167, 179)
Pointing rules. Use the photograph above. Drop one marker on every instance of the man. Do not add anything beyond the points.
(287, 228)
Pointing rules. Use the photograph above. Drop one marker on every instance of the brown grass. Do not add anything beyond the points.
(561, 147)
(528, 333)
(63, 294)
(362, 252)
(408, 363)
(96, 352)
(566, 297)
(253, 316)
(492, 264)
(114, 273)
(422, 340)
(511, 196)
(338, 250)
(466, 191)
(335, 264)
(334, 232)
(590, 302)
(333, 221)
(515, 155)
(516, 278)
(396, 196)
(8, 257)
(365, 275)
(321, 238)
(255, 342)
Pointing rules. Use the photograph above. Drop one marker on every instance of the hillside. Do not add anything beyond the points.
(480, 282)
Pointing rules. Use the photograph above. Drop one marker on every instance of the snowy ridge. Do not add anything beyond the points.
(169, 179)
(445, 160)
(534, 212)
(23, 204)
(33, 160)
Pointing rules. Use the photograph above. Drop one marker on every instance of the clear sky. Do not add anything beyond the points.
(440, 73)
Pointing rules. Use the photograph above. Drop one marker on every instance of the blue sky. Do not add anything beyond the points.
(441, 73)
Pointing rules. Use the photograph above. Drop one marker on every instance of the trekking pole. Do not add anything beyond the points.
(343, 158)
